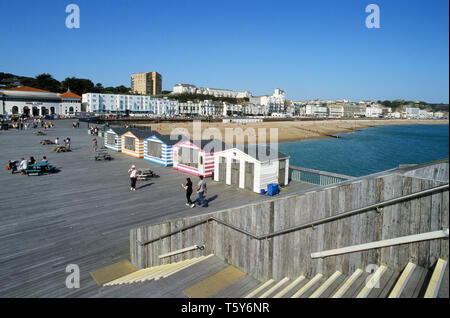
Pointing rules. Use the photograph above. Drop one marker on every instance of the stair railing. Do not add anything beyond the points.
(376, 206)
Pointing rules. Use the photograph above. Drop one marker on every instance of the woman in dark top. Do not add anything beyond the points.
(188, 188)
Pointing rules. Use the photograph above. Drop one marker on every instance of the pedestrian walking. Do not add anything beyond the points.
(133, 177)
(188, 188)
(68, 143)
(94, 144)
(57, 141)
(201, 191)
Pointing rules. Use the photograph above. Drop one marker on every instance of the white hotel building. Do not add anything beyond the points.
(112, 103)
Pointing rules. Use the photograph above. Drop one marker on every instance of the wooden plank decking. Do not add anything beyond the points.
(82, 215)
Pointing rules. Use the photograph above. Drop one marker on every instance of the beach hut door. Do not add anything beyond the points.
(282, 173)
(249, 175)
(235, 169)
(223, 170)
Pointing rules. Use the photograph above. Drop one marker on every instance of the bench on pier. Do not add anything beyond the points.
(39, 168)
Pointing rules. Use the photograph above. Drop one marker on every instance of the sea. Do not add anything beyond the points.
(371, 150)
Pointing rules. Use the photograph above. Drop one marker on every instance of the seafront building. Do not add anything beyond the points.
(29, 101)
(146, 83)
(137, 104)
(216, 92)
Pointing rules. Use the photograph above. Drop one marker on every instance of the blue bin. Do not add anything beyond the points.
(273, 189)
(276, 188)
(263, 192)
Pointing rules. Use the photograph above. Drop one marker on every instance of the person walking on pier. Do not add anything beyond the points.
(133, 177)
(57, 141)
(188, 188)
(94, 144)
(202, 190)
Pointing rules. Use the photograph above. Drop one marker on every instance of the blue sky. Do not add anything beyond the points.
(311, 49)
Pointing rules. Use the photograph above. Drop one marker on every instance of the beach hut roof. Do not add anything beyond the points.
(261, 152)
(166, 138)
(139, 133)
(119, 130)
(211, 144)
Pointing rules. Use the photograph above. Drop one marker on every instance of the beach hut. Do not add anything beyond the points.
(113, 138)
(133, 142)
(196, 157)
(159, 149)
(251, 167)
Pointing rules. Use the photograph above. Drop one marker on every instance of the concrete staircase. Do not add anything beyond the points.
(156, 272)
(413, 282)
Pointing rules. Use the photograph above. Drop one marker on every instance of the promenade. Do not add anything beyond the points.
(82, 214)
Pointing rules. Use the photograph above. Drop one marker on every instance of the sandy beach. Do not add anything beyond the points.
(287, 130)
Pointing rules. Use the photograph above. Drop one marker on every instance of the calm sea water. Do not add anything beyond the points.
(371, 150)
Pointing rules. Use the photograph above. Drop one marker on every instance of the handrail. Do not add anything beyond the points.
(383, 243)
(321, 172)
(376, 206)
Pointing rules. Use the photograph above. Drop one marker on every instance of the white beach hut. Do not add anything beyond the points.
(251, 167)
(113, 138)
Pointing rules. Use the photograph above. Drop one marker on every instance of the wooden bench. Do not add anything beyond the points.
(102, 154)
(146, 174)
(60, 149)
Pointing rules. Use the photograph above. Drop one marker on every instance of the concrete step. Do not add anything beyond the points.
(306, 290)
(329, 286)
(156, 272)
(438, 283)
(261, 289)
(292, 287)
(410, 282)
(239, 289)
(169, 287)
(443, 289)
(350, 284)
(275, 288)
(375, 282)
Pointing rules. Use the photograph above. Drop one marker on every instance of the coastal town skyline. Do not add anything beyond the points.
(310, 50)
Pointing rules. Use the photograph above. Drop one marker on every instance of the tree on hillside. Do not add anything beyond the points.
(78, 85)
(46, 82)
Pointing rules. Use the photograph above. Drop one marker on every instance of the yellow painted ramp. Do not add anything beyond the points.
(215, 283)
(112, 272)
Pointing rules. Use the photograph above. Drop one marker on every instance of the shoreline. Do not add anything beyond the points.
(289, 131)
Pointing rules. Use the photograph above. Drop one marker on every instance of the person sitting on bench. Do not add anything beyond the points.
(23, 166)
(12, 166)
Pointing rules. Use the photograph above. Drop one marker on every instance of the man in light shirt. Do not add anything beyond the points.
(202, 190)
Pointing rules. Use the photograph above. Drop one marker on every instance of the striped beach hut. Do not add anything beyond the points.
(113, 138)
(159, 149)
(133, 142)
(196, 157)
(251, 167)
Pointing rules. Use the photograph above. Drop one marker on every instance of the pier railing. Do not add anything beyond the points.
(315, 176)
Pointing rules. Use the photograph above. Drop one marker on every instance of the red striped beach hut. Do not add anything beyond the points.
(196, 157)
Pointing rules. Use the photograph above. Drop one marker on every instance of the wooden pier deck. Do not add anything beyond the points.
(82, 214)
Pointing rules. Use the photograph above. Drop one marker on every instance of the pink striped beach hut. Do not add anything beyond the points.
(196, 157)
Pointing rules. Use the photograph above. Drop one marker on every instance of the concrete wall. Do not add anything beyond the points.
(289, 254)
